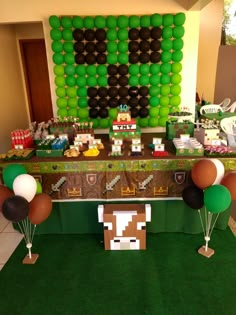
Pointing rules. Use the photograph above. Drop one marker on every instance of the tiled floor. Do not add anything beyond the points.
(9, 240)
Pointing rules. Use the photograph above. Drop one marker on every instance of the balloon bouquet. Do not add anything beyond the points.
(23, 202)
(211, 194)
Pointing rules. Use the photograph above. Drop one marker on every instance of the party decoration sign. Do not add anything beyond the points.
(103, 61)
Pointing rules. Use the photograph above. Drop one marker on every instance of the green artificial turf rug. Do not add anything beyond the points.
(74, 275)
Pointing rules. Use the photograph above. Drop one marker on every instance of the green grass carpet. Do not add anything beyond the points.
(74, 275)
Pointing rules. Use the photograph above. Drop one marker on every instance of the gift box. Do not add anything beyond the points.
(207, 136)
(174, 129)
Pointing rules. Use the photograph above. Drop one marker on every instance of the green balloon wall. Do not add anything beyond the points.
(102, 62)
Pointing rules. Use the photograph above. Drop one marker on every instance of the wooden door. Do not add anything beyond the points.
(34, 60)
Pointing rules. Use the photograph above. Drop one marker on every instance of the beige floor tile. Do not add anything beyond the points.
(8, 243)
(3, 222)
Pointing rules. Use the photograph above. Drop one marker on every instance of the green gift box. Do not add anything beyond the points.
(174, 129)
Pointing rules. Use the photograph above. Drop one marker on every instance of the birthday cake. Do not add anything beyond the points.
(124, 126)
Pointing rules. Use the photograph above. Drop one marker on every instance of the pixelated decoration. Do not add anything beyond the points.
(103, 61)
(124, 225)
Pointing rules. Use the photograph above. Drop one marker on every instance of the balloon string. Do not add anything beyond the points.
(208, 223)
(22, 230)
(199, 211)
(206, 220)
(33, 233)
(214, 223)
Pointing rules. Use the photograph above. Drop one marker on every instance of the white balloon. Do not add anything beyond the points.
(220, 171)
(25, 186)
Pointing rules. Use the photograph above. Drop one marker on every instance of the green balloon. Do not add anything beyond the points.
(101, 70)
(81, 81)
(217, 198)
(122, 21)
(176, 78)
(144, 80)
(153, 121)
(112, 47)
(165, 68)
(71, 92)
(69, 59)
(66, 22)
(164, 111)
(154, 91)
(112, 59)
(145, 21)
(175, 100)
(113, 113)
(54, 21)
(77, 22)
(164, 100)
(83, 113)
(156, 20)
(39, 188)
(144, 69)
(143, 122)
(123, 47)
(67, 34)
(100, 21)
(61, 102)
(91, 70)
(88, 22)
(72, 102)
(58, 70)
(81, 91)
(154, 68)
(10, 172)
(165, 79)
(111, 21)
(175, 89)
(167, 32)
(70, 80)
(104, 123)
(62, 112)
(69, 70)
(68, 47)
(176, 67)
(154, 101)
(57, 46)
(72, 112)
(134, 21)
(123, 58)
(80, 70)
(55, 34)
(166, 56)
(178, 44)
(166, 44)
(57, 58)
(133, 69)
(162, 121)
(178, 31)
(154, 79)
(133, 80)
(91, 81)
(83, 102)
(61, 92)
(154, 111)
(122, 34)
(177, 56)
(102, 81)
(111, 34)
(179, 19)
(168, 19)
(59, 81)
(165, 89)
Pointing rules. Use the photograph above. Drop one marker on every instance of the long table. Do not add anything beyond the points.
(90, 181)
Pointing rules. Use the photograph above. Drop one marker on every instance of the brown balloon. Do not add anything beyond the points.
(229, 181)
(204, 173)
(40, 208)
(5, 193)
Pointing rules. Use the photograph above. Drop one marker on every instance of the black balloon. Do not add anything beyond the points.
(102, 102)
(123, 69)
(112, 81)
(90, 58)
(92, 102)
(156, 32)
(113, 102)
(78, 34)
(144, 33)
(112, 70)
(113, 92)
(144, 45)
(101, 58)
(101, 47)
(133, 58)
(143, 91)
(79, 47)
(92, 92)
(143, 112)
(80, 59)
(133, 91)
(123, 80)
(133, 102)
(102, 92)
(100, 34)
(93, 113)
(143, 102)
(89, 35)
(133, 46)
(155, 57)
(133, 33)
(123, 91)
(123, 100)
(144, 57)
(15, 208)
(134, 112)
(90, 47)
(193, 197)
(103, 113)
(155, 45)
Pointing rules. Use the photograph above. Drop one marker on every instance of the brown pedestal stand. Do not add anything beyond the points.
(30, 261)
(207, 253)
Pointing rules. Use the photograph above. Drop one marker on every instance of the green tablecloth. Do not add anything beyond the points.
(167, 216)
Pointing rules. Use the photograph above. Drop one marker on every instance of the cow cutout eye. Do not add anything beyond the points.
(141, 226)
(107, 226)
